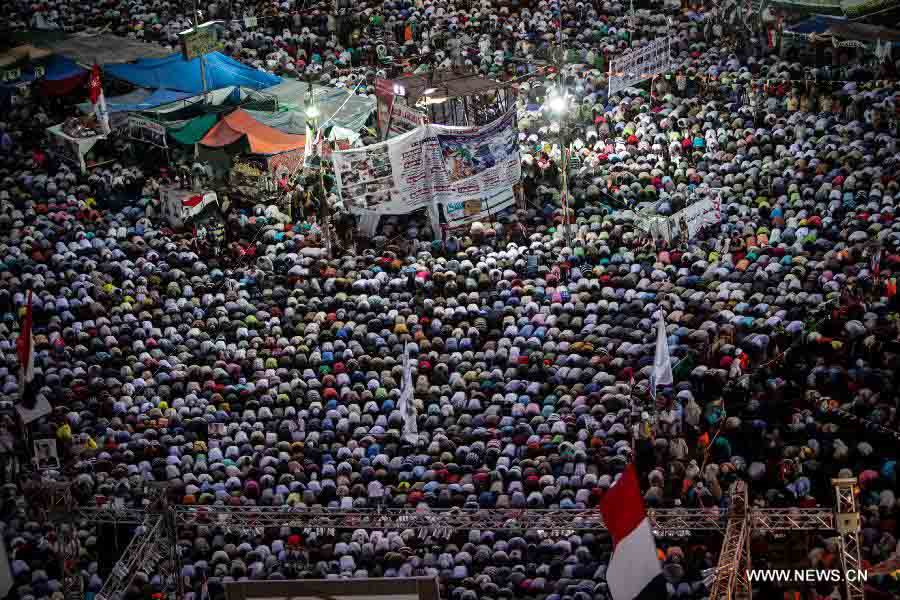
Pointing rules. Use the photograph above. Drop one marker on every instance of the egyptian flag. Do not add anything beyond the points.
(95, 90)
(875, 264)
(25, 349)
(634, 572)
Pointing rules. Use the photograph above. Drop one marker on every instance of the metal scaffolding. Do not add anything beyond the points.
(847, 527)
(147, 551)
(731, 573)
(154, 547)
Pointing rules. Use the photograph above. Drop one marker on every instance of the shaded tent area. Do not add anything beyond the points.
(217, 101)
(137, 101)
(829, 7)
(175, 73)
(286, 121)
(60, 75)
(100, 48)
(241, 127)
(20, 55)
(450, 98)
(185, 116)
(886, 10)
(845, 29)
(336, 106)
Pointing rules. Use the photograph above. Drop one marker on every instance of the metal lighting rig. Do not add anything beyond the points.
(153, 550)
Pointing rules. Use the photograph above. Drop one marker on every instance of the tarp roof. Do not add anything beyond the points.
(845, 29)
(25, 52)
(138, 100)
(261, 138)
(192, 131)
(290, 121)
(448, 83)
(102, 48)
(175, 73)
(353, 113)
(60, 67)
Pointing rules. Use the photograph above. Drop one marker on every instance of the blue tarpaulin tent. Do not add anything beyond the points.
(137, 100)
(175, 73)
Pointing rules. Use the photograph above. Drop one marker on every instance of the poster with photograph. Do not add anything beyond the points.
(45, 454)
(434, 166)
(472, 152)
(403, 118)
(390, 177)
(482, 165)
(144, 130)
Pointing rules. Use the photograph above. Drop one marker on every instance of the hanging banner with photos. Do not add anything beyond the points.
(147, 131)
(467, 172)
(641, 64)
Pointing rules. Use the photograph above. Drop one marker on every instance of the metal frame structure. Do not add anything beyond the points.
(154, 546)
(399, 588)
(847, 527)
(641, 64)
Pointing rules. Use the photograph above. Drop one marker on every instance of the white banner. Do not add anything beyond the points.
(641, 64)
(389, 178)
(72, 149)
(403, 118)
(686, 222)
(468, 171)
(145, 130)
(483, 164)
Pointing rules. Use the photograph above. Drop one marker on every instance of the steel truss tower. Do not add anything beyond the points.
(153, 550)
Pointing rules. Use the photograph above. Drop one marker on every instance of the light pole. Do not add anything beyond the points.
(312, 124)
(558, 104)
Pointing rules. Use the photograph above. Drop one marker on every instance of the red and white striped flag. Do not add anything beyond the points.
(634, 572)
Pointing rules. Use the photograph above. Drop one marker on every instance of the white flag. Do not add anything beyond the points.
(6, 578)
(407, 405)
(662, 362)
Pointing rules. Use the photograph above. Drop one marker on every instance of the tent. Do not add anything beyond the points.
(336, 105)
(99, 48)
(25, 53)
(291, 121)
(175, 73)
(845, 29)
(260, 138)
(193, 130)
(62, 76)
(138, 100)
(222, 100)
(286, 121)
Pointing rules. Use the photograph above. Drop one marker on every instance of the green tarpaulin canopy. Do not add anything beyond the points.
(192, 131)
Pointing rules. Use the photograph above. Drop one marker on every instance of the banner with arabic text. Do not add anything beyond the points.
(468, 172)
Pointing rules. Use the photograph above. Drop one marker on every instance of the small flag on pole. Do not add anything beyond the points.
(95, 89)
(875, 263)
(25, 349)
(406, 405)
(662, 361)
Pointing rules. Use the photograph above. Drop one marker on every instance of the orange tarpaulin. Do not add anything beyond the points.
(262, 138)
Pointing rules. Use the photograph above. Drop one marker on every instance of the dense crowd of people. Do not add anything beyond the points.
(273, 379)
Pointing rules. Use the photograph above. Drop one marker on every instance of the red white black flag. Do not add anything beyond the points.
(634, 572)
